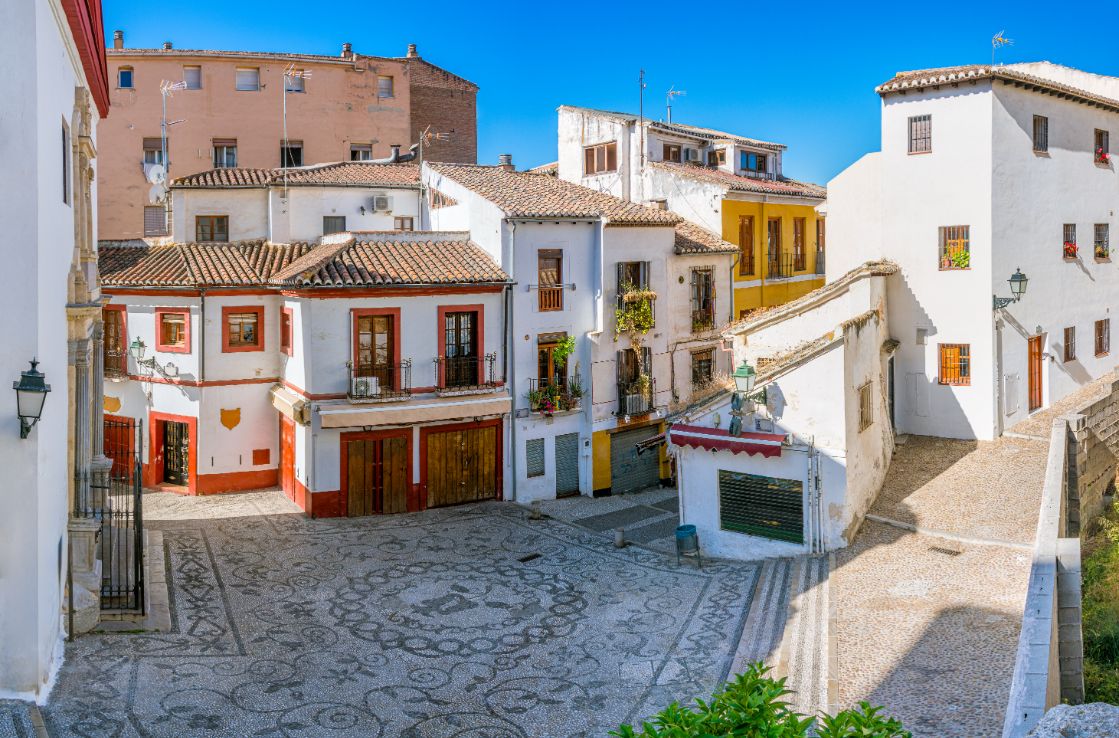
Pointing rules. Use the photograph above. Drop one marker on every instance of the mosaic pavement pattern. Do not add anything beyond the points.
(471, 622)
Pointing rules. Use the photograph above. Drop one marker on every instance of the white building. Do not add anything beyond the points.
(47, 201)
(569, 250)
(984, 171)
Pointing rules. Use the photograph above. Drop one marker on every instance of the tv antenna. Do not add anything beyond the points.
(672, 92)
(291, 73)
(158, 175)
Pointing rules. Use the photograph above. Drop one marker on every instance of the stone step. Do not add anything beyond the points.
(765, 623)
(804, 650)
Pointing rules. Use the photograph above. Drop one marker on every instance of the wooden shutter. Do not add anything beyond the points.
(611, 157)
(761, 506)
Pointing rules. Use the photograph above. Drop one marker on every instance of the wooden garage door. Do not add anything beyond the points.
(630, 471)
(377, 476)
(461, 466)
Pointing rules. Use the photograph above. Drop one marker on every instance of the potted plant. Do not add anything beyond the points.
(1102, 157)
(961, 260)
(635, 314)
(1070, 249)
(1101, 251)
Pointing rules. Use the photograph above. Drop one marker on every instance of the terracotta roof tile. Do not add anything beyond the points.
(242, 263)
(531, 195)
(788, 187)
(235, 177)
(335, 174)
(372, 259)
(692, 239)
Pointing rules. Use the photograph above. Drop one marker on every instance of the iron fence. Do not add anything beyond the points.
(380, 381)
(465, 372)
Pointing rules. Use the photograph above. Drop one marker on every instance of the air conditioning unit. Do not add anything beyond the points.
(382, 204)
(365, 387)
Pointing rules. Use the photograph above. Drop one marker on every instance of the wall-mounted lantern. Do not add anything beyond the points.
(31, 393)
(1018, 283)
(744, 379)
(139, 349)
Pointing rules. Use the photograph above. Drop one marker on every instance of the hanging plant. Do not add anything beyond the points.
(563, 349)
(635, 316)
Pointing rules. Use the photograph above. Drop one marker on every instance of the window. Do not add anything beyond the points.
(821, 232)
(753, 164)
(361, 152)
(534, 457)
(600, 158)
(173, 330)
(124, 78)
(1101, 146)
(193, 77)
(716, 157)
(800, 260)
(225, 153)
(866, 406)
(65, 163)
(1070, 344)
(549, 269)
(438, 199)
(153, 150)
(1103, 337)
(631, 275)
(291, 153)
(1100, 241)
(1069, 235)
(460, 349)
(672, 152)
(155, 220)
(375, 348)
(294, 82)
(384, 86)
(775, 268)
(114, 347)
(242, 328)
(761, 506)
(703, 298)
(211, 228)
(1041, 134)
(333, 224)
(248, 79)
(285, 330)
(703, 368)
(403, 223)
(632, 366)
(920, 134)
(550, 369)
(746, 266)
(955, 363)
(955, 247)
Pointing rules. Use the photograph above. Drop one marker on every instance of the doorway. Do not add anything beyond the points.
(1035, 356)
(376, 473)
(176, 453)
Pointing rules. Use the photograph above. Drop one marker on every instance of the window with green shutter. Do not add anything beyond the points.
(761, 506)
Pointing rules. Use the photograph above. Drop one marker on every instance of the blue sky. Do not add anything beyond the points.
(800, 73)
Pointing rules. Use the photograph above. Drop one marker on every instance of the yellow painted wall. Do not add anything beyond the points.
(600, 459)
(777, 292)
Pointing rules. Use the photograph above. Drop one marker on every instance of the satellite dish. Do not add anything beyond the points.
(157, 193)
(156, 174)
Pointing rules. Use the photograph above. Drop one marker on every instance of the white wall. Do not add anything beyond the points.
(579, 129)
(300, 217)
(247, 210)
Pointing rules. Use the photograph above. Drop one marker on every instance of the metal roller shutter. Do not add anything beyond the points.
(630, 471)
(761, 506)
(567, 464)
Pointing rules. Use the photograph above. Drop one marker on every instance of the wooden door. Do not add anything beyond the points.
(1035, 372)
(377, 476)
(287, 456)
(461, 466)
(176, 452)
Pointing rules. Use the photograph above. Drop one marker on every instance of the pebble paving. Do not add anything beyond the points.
(470, 622)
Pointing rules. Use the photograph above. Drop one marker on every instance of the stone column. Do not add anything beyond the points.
(100, 465)
(80, 354)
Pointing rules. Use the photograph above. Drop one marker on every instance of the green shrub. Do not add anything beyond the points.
(752, 706)
(1100, 611)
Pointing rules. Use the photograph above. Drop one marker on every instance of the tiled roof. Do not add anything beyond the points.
(333, 174)
(692, 239)
(242, 263)
(380, 258)
(531, 195)
(709, 134)
(551, 168)
(788, 187)
(921, 78)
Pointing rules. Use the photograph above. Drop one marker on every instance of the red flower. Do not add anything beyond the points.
(1070, 249)
(1102, 156)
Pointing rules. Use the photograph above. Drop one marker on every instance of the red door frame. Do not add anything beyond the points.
(153, 470)
(429, 430)
(287, 456)
(344, 448)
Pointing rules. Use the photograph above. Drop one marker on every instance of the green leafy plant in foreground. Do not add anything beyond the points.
(753, 706)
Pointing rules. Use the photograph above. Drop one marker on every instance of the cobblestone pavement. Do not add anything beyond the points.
(14, 720)
(649, 517)
(1040, 423)
(470, 621)
(927, 625)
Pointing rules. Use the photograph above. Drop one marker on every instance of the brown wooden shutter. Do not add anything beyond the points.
(611, 157)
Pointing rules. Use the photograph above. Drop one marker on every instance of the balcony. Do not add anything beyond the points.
(380, 382)
(464, 375)
(820, 261)
(115, 363)
(779, 266)
(550, 298)
(549, 398)
(635, 398)
(703, 318)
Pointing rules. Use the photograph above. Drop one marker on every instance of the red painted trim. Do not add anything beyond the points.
(345, 438)
(238, 292)
(88, 29)
(309, 396)
(426, 431)
(209, 484)
(287, 320)
(153, 470)
(171, 348)
(716, 439)
(185, 292)
(356, 313)
(207, 383)
(326, 504)
(226, 311)
(422, 291)
(479, 311)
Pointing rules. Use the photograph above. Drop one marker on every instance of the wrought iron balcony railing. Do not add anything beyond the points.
(635, 398)
(115, 363)
(703, 318)
(820, 261)
(555, 397)
(380, 382)
(779, 266)
(464, 373)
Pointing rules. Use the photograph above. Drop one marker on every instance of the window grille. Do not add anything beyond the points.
(1070, 344)
(920, 134)
(1041, 134)
(955, 363)
(955, 247)
(1100, 241)
(866, 406)
(1103, 337)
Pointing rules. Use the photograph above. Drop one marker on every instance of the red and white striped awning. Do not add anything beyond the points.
(717, 439)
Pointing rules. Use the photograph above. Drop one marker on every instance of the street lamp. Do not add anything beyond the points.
(744, 379)
(1018, 283)
(137, 348)
(31, 393)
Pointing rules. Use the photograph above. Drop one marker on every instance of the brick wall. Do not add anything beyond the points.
(447, 103)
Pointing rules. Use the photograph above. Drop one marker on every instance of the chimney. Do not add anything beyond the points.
(412, 51)
(347, 50)
(166, 45)
(395, 151)
(118, 39)
(505, 163)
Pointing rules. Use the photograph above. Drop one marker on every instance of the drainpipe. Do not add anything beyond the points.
(998, 376)
(202, 339)
(730, 279)
(512, 365)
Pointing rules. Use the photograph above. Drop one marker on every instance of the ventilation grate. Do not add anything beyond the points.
(945, 551)
(530, 557)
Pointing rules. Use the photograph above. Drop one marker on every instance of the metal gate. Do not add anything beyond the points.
(567, 464)
(118, 503)
(629, 470)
